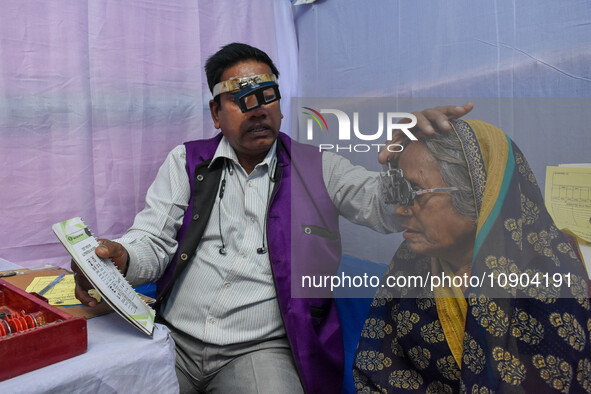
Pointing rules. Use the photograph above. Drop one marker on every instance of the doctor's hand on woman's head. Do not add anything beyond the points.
(428, 122)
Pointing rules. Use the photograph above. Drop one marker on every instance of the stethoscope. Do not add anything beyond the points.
(229, 170)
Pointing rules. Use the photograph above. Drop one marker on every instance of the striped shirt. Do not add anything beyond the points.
(225, 299)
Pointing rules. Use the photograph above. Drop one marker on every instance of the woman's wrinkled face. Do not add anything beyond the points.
(432, 225)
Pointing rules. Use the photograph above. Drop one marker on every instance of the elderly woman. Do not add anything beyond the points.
(520, 319)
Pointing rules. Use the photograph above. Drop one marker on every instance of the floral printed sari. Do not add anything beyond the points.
(527, 332)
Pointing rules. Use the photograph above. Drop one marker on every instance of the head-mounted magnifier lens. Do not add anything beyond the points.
(250, 92)
(398, 190)
(253, 97)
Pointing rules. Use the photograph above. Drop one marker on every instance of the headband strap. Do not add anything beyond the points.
(235, 84)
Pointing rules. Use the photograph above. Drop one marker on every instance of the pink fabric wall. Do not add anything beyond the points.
(93, 95)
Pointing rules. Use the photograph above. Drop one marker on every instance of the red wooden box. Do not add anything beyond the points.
(60, 337)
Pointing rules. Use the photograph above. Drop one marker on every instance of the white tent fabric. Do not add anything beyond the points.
(94, 94)
(524, 64)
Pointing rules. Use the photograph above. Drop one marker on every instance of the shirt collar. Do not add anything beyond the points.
(225, 151)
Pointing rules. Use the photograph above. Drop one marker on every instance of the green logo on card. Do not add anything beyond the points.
(74, 232)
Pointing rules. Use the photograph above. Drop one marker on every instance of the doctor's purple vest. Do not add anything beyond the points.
(303, 239)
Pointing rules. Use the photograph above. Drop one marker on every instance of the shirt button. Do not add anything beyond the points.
(252, 220)
(211, 320)
(227, 285)
(243, 255)
(249, 183)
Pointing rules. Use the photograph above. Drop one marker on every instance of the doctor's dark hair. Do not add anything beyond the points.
(230, 55)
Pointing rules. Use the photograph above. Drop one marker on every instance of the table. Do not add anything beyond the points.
(119, 359)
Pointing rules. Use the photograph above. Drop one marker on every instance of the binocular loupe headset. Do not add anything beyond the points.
(250, 92)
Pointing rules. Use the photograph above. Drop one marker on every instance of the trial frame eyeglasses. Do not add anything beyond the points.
(399, 190)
